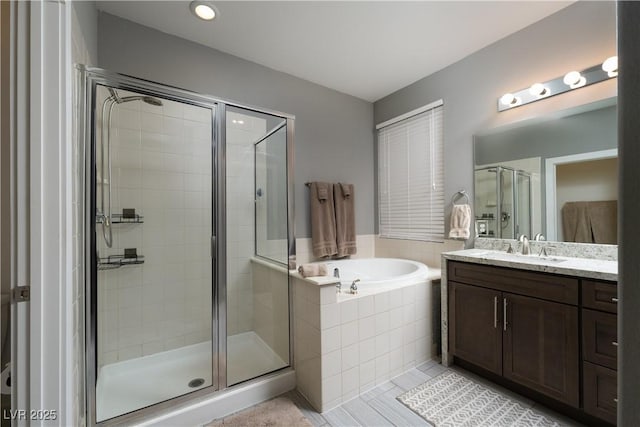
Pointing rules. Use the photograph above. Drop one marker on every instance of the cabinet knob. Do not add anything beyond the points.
(614, 299)
(615, 399)
(614, 343)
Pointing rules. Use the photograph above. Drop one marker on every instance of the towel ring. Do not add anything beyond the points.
(458, 194)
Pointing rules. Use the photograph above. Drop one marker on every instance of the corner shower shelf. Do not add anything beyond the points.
(120, 219)
(116, 261)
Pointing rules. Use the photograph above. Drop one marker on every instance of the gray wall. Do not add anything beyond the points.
(333, 131)
(577, 37)
(87, 19)
(629, 229)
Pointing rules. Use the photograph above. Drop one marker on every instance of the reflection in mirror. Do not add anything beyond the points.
(555, 177)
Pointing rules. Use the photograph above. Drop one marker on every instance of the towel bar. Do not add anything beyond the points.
(458, 194)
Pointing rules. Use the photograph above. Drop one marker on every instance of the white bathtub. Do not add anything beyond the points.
(379, 273)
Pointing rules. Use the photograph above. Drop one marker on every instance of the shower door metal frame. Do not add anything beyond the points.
(500, 196)
(90, 78)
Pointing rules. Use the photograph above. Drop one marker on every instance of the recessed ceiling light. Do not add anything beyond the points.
(203, 10)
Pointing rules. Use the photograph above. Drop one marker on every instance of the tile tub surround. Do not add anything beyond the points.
(577, 267)
(345, 345)
(568, 249)
(364, 242)
(372, 246)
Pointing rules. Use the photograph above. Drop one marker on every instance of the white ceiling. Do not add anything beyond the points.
(365, 49)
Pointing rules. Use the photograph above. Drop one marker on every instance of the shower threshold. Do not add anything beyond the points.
(130, 385)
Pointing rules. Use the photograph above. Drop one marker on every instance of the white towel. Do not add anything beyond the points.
(460, 222)
(312, 270)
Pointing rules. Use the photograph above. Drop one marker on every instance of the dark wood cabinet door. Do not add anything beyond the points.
(475, 326)
(541, 346)
(600, 338)
(600, 392)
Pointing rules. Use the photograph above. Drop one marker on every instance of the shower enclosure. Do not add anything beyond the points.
(189, 201)
(502, 202)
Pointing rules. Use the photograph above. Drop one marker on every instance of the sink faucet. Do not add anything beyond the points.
(354, 287)
(546, 250)
(336, 273)
(509, 249)
(525, 244)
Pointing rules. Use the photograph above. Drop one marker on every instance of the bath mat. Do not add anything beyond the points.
(280, 412)
(453, 400)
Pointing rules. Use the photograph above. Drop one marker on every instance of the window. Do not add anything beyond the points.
(411, 175)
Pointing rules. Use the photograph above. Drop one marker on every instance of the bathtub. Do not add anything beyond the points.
(383, 330)
(379, 273)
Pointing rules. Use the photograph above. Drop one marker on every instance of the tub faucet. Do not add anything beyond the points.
(525, 245)
(354, 287)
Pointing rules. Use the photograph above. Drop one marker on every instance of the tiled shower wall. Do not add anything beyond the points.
(242, 132)
(161, 167)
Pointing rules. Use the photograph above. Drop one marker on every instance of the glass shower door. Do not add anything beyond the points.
(152, 292)
(486, 198)
(257, 303)
(523, 204)
(506, 197)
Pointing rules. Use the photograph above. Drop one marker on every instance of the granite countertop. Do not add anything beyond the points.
(579, 267)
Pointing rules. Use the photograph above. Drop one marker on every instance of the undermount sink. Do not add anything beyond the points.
(522, 258)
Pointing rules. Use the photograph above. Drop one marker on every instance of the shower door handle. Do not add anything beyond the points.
(213, 247)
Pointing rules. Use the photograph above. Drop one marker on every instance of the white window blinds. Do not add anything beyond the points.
(411, 177)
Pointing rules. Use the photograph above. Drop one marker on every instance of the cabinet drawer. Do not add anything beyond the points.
(539, 285)
(600, 337)
(600, 392)
(600, 295)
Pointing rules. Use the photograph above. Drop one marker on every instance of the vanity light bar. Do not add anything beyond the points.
(572, 80)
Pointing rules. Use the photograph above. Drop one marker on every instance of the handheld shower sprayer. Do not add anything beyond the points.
(104, 215)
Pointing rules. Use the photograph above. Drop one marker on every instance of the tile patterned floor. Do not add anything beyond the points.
(379, 407)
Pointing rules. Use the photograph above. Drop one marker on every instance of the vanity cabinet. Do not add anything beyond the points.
(600, 349)
(475, 331)
(541, 342)
(518, 325)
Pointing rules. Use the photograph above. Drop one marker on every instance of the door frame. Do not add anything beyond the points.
(550, 182)
(41, 211)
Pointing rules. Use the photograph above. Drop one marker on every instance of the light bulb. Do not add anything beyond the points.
(574, 79)
(539, 90)
(610, 65)
(508, 99)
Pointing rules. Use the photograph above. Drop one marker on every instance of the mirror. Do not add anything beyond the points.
(555, 177)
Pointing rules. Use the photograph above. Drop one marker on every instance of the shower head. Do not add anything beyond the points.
(152, 101)
(148, 99)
